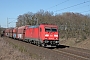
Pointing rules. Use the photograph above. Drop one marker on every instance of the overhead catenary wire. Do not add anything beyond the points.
(58, 4)
(85, 11)
(73, 5)
(10, 22)
(80, 7)
(14, 19)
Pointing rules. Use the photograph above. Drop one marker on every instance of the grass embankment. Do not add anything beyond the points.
(23, 49)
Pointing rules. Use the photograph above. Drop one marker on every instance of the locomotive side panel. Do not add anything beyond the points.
(35, 33)
(32, 34)
(28, 33)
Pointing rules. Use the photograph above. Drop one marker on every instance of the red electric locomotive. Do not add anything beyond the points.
(42, 35)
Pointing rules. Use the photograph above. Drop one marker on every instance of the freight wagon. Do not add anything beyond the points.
(15, 30)
(7, 32)
(21, 32)
(11, 32)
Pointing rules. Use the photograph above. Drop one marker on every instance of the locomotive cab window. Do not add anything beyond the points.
(47, 29)
(54, 30)
(50, 30)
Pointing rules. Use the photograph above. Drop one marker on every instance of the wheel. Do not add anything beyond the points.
(36, 43)
(43, 45)
(39, 43)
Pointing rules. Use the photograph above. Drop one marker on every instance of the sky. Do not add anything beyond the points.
(11, 9)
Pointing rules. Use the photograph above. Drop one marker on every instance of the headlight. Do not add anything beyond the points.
(46, 35)
(55, 35)
(57, 41)
(46, 41)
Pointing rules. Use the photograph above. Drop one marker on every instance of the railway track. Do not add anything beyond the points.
(77, 53)
(62, 52)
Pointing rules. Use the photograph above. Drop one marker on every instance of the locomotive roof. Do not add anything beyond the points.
(43, 25)
(34, 26)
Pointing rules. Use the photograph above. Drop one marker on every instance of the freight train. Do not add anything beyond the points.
(41, 35)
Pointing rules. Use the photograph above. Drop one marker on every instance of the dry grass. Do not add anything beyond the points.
(9, 52)
(84, 44)
(76, 43)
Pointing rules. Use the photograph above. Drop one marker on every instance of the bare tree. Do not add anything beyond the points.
(71, 25)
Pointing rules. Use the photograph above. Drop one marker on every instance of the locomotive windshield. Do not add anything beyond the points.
(50, 30)
(54, 30)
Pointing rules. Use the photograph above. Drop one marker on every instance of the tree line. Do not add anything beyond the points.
(70, 25)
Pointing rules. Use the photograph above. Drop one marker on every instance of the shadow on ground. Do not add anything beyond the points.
(62, 46)
(59, 46)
